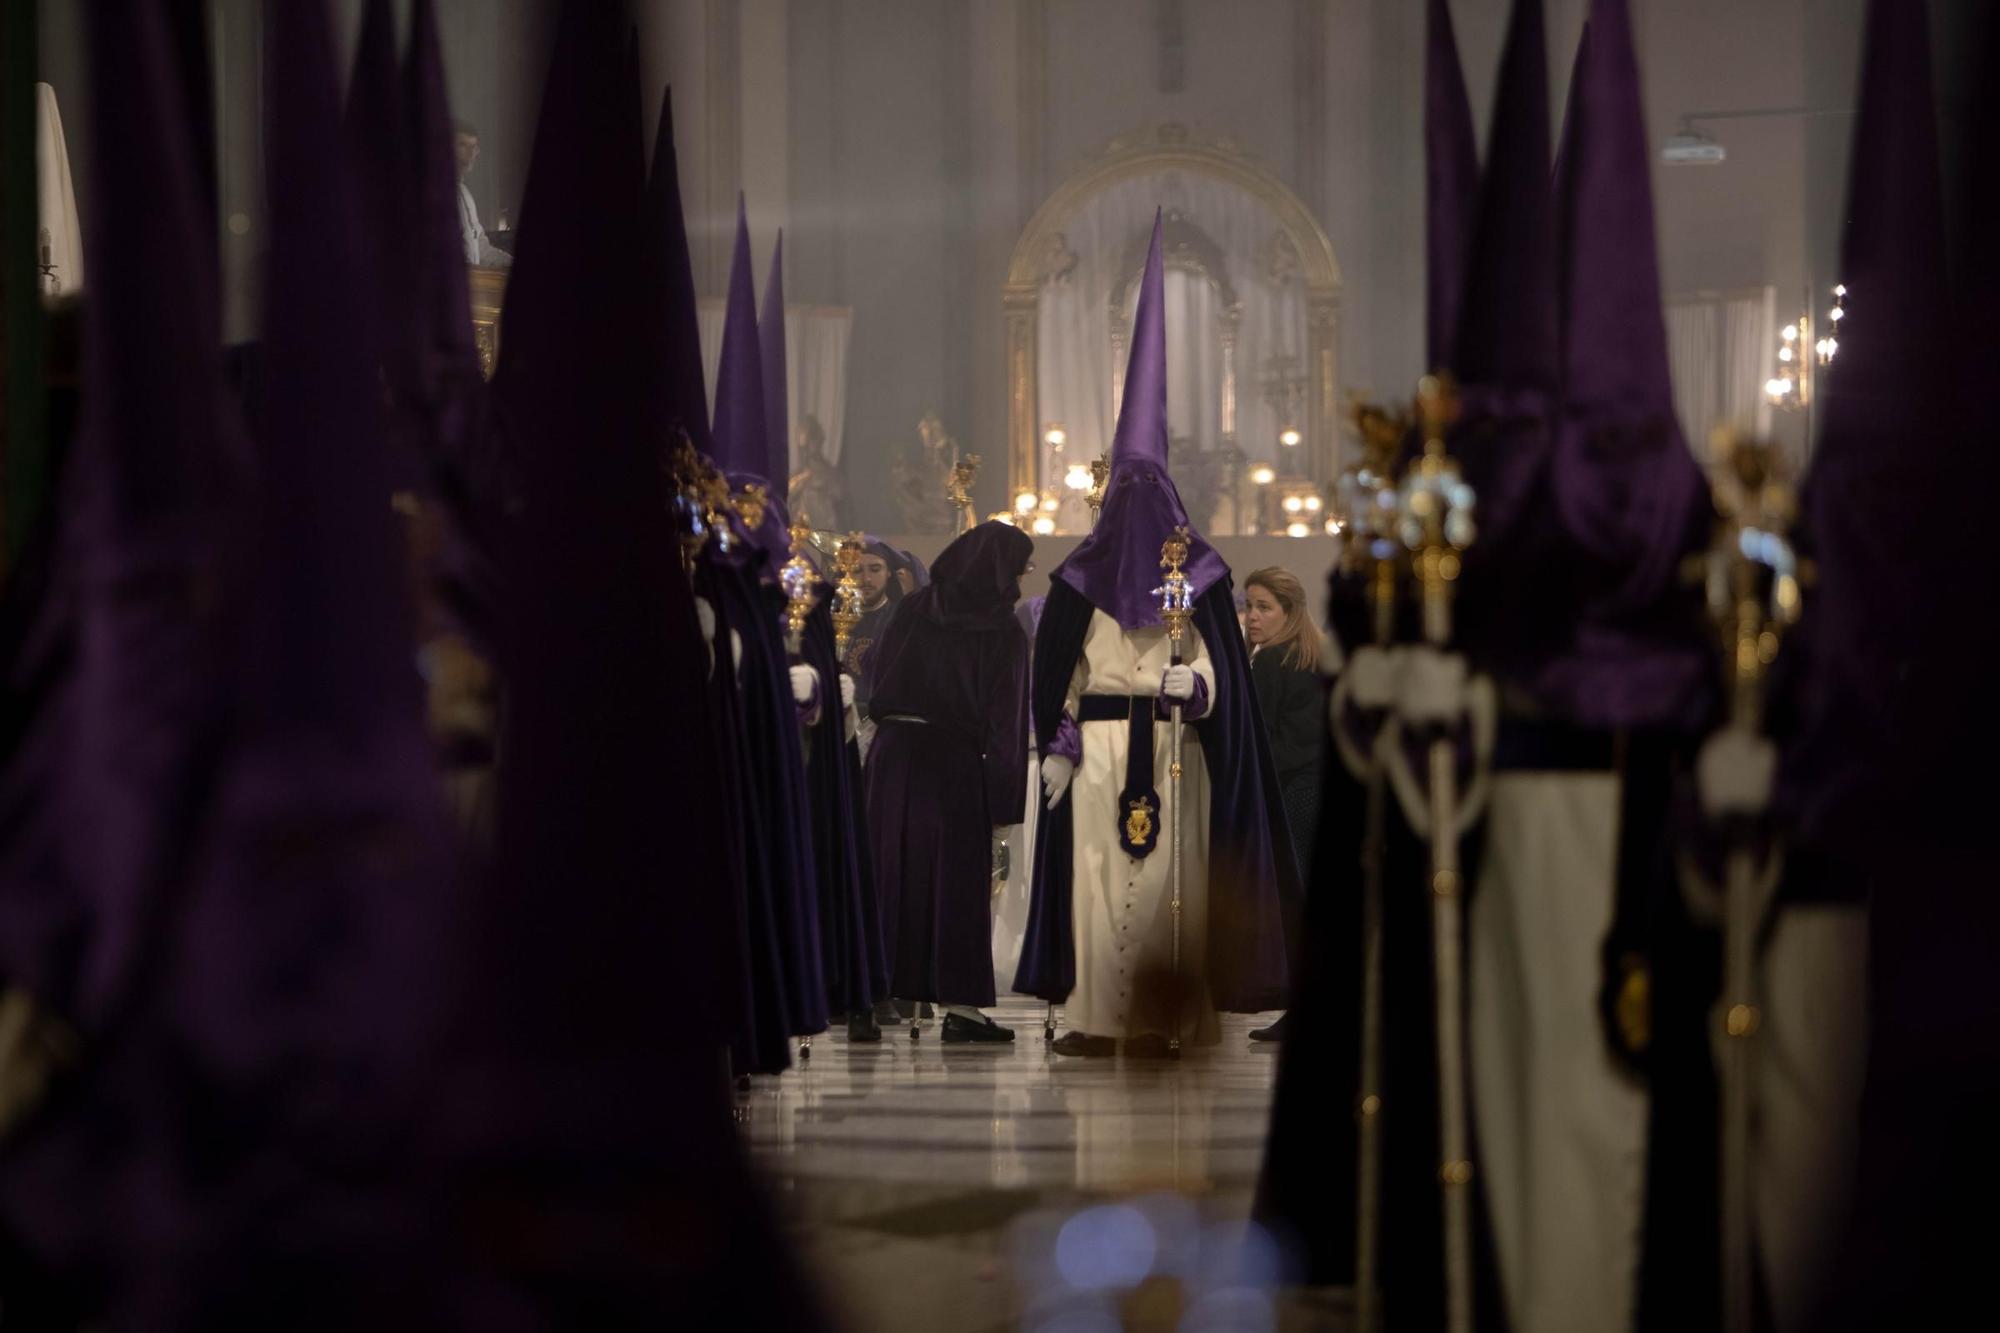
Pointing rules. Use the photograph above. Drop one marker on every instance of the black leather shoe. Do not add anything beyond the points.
(957, 1029)
(1275, 1032)
(1147, 1046)
(861, 1026)
(1082, 1043)
(887, 1014)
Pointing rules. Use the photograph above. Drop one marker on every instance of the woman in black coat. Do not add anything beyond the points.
(1286, 654)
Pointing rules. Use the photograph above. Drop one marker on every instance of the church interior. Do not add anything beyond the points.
(1061, 665)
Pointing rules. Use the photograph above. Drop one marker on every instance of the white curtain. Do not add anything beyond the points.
(815, 367)
(1722, 347)
(1074, 370)
(61, 233)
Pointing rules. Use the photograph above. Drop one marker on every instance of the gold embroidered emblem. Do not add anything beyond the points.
(1139, 824)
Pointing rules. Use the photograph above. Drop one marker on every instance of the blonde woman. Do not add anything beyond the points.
(1286, 661)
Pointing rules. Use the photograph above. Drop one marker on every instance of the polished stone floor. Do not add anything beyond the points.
(994, 1188)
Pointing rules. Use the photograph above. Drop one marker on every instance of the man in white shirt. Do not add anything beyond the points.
(478, 250)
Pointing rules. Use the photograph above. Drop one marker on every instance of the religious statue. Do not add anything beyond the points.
(922, 481)
(817, 488)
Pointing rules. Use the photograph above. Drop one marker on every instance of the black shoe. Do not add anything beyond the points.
(1275, 1032)
(1082, 1043)
(887, 1014)
(925, 1012)
(861, 1026)
(1147, 1046)
(958, 1029)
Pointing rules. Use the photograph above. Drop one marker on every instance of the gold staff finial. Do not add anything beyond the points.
(847, 593)
(1176, 605)
(798, 579)
(958, 489)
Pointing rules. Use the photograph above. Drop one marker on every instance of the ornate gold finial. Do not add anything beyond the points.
(750, 503)
(847, 594)
(1752, 576)
(1100, 477)
(1176, 602)
(798, 578)
(958, 489)
(1436, 504)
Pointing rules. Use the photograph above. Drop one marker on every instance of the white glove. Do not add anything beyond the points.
(1371, 678)
(1432, 688)
(1057, 770)
(1177, 682)
(803, 682)
(1734, 773)
(846, 690)
(736, 651)
(704, 614)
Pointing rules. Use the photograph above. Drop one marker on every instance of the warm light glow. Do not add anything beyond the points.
(1837, 314)
(1056, 437)
(1289, 437)
(1784, 354)
(1044, 526)
(1293, 504)
(1840, 289)
(1263, 474)
(1025, 502)
(1313, 504)
(1051, 503)
(1334, 527)
(1078, 477)
(1298, 530)
(1791, 333)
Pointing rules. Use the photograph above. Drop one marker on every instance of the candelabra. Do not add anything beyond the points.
(847, 592)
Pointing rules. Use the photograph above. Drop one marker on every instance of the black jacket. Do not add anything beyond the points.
(1293, 702)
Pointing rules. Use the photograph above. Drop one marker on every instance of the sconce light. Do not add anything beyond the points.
(1077, 477)
(1044, 525)
(1298, 530)
(1054, 436)
(1263, 474)
(1289, 437)
(1025, 502)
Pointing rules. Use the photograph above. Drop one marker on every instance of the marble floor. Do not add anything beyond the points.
(987, 1188)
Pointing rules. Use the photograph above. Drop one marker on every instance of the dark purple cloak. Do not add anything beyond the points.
(850, 925)
(937, 789)
(776, 760)
(759, 1028)
(1253, 871)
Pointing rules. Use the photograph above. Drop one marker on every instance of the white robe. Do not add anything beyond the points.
(1123, 918)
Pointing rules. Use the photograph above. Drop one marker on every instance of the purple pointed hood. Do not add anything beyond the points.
(1451, 183)
(678, 359)
(1507, 323)
(1632, 499)
(741, 440)
(332, 563)
(1881, 474)
(771, 355)
(1117, 567)
(161, 487)
(378, 147)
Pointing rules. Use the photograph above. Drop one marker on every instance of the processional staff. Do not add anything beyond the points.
(1752, 578)
(1176, 610)
(1371, 507)
(1437, 526)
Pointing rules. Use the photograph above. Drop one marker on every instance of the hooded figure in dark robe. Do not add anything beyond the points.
(849, 926)
(948, 771)
(1100, 929)
(736, 574)
(1309, 1189)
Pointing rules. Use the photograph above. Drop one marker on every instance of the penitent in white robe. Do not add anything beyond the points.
(1122, 907)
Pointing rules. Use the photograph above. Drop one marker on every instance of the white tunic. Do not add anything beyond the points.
(1122, 907)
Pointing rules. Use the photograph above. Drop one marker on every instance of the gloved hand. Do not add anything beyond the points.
(704, 614)
(804, 682)
(1371, 677)
(1432, 688)
(1177, 682)
(1057, 770)
(1734, 773)
(846, 690)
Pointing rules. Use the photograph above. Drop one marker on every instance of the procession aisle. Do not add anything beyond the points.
(966, 1187)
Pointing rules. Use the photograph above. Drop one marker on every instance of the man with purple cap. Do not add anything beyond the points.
(1102, 931)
